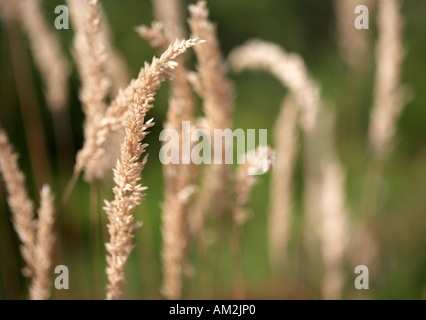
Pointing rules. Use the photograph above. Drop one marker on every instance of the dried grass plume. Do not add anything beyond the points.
(389, 95)
(217, 93)
(281, 203)
(36, 236)
(128, 192)
(47, 52)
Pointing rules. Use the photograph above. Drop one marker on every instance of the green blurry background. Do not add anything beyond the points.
(307, 27)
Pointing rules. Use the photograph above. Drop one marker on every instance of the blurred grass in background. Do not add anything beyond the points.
(307, 27)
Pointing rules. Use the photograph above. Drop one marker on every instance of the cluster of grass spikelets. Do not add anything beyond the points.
(116, 108)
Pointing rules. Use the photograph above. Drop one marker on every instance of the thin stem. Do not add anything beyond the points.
(371, 190)
(237, 264)
(369, 204)
(69, 188)
(94, 236)
(31, 116)
(63, 140)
